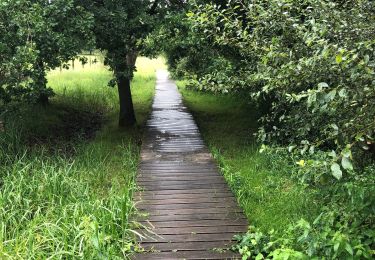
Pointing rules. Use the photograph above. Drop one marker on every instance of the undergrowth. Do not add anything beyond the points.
(262, 184)
(294, 213)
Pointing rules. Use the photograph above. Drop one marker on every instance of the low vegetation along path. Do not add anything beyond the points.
(190, 213)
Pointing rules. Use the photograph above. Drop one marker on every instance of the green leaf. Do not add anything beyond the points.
(323, 85)
(336, 247)
(263, 148)
(347, 152)
(366, 59)
(336, 171)
(331, 95)
(342, 93)
(346, 164)
(332, 154)
(339, 58)
(95, 242)
(311, 99)
(335, 129)
(349, 248)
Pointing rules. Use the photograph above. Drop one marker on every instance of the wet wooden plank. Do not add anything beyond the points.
(181, 182)
(194, 223)
(187, 255)
(204, 216)
(179, 176)
(171, 172)
(174, 177)
(186, 191)
(191, 230)
(183, 186)
(186, 207)
(186, 246)
(161, 212)
(225, 237)
(157, 196)
(158, 166)
(201, 200)
(192, 205)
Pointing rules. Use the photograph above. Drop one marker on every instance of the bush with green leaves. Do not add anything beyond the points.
(312, 60)
(330, 235)
(17, 51)
(35, 37)
(311, 65)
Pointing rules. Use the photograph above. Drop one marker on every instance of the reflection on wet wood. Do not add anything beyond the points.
(190, 210)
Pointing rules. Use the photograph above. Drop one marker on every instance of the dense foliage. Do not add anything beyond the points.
(310, 66)
(36, 36)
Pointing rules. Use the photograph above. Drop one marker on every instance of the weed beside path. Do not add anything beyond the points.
(67, 171)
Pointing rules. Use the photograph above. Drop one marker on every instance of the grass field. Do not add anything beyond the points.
(67, 171)
(270, 198)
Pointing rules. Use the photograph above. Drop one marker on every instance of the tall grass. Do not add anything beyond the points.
(58, 203)
(271, 199)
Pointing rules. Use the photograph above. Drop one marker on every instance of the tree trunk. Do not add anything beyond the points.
(131, 58)
(127, 115)
(41, 84)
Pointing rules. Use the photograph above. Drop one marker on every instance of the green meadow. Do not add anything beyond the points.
(67, 170)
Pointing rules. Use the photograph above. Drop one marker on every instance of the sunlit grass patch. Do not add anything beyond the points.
(76, 202)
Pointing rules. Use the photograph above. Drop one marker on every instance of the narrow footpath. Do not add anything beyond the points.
(188, 210)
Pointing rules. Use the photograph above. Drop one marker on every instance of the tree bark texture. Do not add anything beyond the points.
(41, 84)
(127, 115)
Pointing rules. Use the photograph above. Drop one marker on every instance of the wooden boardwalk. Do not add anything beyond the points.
(189, 210)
